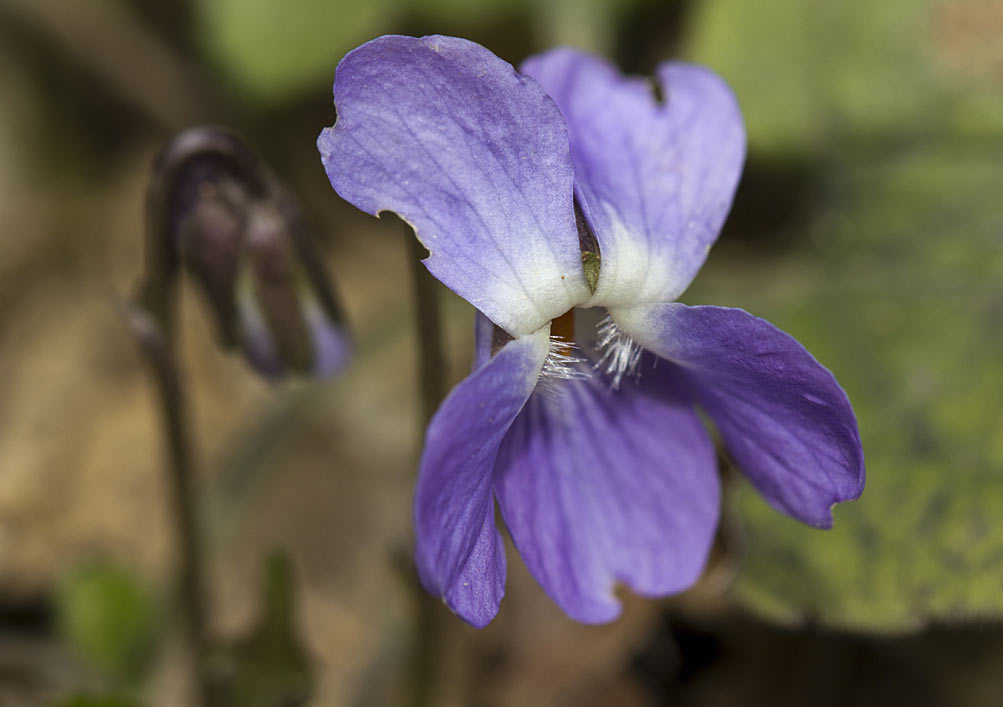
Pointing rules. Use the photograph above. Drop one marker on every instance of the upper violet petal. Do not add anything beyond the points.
(475, 157)
(654, 180)
(599, 486)
(459, 551)
(784, 419)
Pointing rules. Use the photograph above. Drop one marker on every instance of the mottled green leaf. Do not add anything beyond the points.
(890, 270)
(900, 293)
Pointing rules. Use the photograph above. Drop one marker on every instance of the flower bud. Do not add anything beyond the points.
(226, 219)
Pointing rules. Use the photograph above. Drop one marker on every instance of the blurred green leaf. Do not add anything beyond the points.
(805, 70)
(465, 10)
(108, 619)
(274, 50)
(96, 701)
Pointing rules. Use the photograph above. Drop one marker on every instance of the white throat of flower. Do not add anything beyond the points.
(619, 354)
(561, 365)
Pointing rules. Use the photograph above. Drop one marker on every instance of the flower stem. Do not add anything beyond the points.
(432, 374)
(156, 345)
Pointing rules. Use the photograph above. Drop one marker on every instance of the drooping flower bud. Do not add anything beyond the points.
(221, 215)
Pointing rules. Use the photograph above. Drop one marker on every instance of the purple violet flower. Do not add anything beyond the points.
(579, 417)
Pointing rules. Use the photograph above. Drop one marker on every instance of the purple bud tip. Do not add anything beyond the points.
(217, 212)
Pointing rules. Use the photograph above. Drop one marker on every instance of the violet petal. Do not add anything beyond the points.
(654, 181)
(600, 486)
(475, 157)
(784, 419)
(458, 550)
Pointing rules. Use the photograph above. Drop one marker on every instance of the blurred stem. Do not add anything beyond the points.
(432, 374)
(581, 23)
(157, 346)
(181, 472)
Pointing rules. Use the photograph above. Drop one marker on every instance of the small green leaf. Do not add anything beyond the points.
(269, 666)
(590, 264)
(108, 619)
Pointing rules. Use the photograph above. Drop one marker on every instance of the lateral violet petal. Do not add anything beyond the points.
(459, 551)
(475, 157)
(784, 419)
(600, 486)
(654, 181)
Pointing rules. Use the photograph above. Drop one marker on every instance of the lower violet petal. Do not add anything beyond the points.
(783, 417)
(458, 550)
(599, 486)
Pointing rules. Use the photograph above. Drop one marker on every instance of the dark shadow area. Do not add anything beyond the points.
(650, 32)
(742, 660)
(28, 615)
(773, 204)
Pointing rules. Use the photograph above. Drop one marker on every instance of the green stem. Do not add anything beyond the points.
(432, 374)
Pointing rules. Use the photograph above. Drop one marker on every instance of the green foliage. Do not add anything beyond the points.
(108, 619)
(805, 70)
